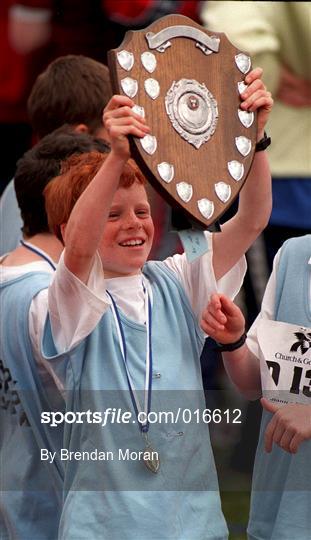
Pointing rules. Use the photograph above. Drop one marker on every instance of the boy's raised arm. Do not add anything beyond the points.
(255, 200)
(86, 224)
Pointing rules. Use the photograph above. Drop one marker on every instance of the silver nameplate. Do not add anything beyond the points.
(160, 40)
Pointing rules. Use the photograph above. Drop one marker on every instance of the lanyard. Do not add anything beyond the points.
(144, 425)
(39, 252)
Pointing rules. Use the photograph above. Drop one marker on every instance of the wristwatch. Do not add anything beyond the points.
(227, 347)
(263, 143)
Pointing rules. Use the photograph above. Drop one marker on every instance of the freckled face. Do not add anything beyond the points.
(128, 235)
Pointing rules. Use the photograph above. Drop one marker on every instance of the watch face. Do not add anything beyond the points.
(263, 143)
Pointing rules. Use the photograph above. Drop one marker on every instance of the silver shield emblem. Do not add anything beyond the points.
(236, 169)
(152, 88)
(243, 62)
(246, 118)
(149, 61)
(244, 145)
(206, 208)
(184, 191)
(166, 171)
(223, 191)
(149, 144)
(125, 59)
(129, 86)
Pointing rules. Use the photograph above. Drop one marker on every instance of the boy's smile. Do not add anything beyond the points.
(128, 235)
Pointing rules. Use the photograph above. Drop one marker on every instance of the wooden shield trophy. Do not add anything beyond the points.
(187, 83)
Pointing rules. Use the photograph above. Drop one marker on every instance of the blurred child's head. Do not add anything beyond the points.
(39, 165)
(129, 230)
(72, 90)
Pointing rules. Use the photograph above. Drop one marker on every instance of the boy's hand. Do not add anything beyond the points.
(257, 98)
(222, 320)
(289, 427)
(120, 121)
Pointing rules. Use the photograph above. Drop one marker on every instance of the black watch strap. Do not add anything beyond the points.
(263, 143)
(227, 347)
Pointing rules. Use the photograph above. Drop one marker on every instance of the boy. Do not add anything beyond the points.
(31, 492)
(277, 358)
(73, 90)
(115, 337)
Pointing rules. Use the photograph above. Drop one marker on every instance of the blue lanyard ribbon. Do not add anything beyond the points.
(143, 425)
(39, 252)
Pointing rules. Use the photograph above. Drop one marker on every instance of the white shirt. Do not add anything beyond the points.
(74, 319)
(71, 323)
(267, 307)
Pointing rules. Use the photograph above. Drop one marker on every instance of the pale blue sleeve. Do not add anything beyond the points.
(10, 220)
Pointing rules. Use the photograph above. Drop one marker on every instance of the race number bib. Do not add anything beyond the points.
(285, 361)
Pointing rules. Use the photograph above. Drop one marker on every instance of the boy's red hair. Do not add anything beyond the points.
(77, 172)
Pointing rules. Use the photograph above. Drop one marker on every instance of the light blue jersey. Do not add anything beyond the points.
(10, 220)
(281, 497)
(31, 497)
(118, 497)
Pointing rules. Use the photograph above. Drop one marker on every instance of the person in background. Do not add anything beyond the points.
(275, 362)
(277, 36)
(73, 90)
(31, 491)
(18, 71)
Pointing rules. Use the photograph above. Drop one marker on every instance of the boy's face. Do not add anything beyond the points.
(128, 235)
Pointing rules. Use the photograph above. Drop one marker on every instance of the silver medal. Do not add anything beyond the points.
(150, 456)
(153, 461)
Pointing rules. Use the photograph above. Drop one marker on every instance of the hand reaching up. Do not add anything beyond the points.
(257, 98)
(120, 121)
